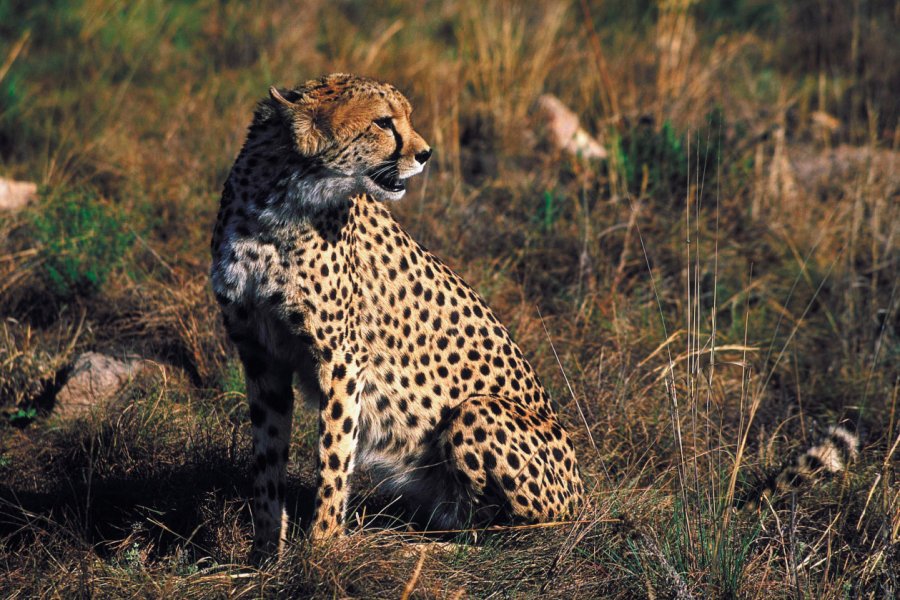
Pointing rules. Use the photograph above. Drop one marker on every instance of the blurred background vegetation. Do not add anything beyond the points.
(698, 303)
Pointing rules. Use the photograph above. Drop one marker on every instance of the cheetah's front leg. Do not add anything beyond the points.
(338, 433)
(271, 409)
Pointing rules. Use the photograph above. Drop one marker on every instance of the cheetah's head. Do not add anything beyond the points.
(358, 131)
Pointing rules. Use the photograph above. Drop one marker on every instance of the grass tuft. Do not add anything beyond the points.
(81, 239)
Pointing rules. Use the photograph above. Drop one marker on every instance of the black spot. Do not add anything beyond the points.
(513, 461)
(794, 478)
(471, 461)
(253, 366)
(279, 400)
(257, 415)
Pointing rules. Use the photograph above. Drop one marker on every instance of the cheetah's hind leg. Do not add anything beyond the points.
(493, 461)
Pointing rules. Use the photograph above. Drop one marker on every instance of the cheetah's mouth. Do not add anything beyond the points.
(387, 177)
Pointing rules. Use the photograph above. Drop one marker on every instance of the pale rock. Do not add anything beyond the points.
(93, 382)
(565, 129)
(15, 195)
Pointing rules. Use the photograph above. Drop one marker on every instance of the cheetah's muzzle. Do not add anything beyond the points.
(387, 177)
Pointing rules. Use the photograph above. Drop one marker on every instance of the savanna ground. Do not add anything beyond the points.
(701, 304)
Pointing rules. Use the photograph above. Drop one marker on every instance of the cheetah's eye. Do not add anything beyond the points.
(383, 122)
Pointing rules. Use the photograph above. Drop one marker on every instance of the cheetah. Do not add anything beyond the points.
(412, 374)
(829, 456)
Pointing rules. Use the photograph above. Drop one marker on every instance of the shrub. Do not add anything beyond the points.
(82, 240)
(663, 159)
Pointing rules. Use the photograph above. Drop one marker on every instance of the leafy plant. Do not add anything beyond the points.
(82, 240)
(548, 210)
(661, 161)
(654, 161)
(22, 416)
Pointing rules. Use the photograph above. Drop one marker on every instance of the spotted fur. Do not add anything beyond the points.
(830, 456)
(412, 374)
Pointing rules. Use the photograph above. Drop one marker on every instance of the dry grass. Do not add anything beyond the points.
(700, 305)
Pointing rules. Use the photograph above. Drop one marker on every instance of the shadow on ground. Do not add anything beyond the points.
(198, 506)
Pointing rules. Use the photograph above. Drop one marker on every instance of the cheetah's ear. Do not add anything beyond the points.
(309, 133)
(274, 94)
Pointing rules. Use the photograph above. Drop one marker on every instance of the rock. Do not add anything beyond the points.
(93, 382)
(565, 130)
(825, 121)
(842, 166)
(15, 195)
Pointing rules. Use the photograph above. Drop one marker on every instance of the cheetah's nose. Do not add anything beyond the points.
(423, 156)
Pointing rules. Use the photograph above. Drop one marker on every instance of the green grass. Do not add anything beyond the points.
(81, 239)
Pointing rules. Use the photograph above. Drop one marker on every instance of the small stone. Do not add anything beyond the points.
(15, 195)
(93, 382)
(565, 130)
(825, 121)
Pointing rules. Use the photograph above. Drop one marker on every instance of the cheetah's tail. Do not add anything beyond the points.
(829, 456)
